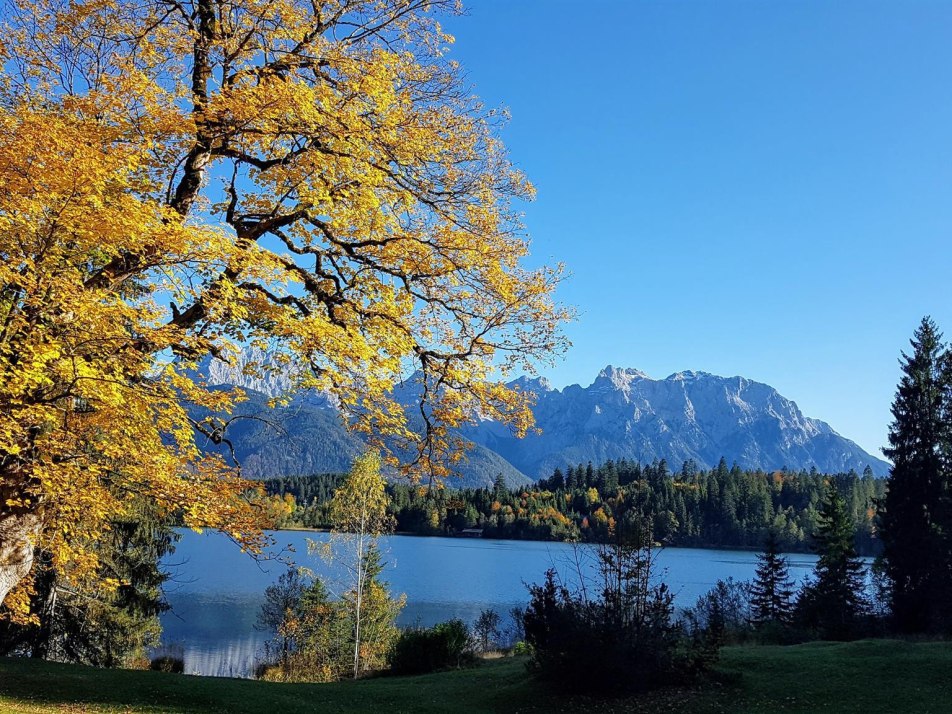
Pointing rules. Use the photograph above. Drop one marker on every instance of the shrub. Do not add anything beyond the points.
(522, 648)
(723, 611)
(486, 630)
(623, 642)
(167, 663)
(421, 649)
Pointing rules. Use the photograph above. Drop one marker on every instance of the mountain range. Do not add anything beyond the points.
(623, 413)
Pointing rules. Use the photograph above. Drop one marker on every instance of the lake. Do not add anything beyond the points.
(216, 590)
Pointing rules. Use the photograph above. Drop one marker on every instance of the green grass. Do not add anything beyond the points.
(868, 676)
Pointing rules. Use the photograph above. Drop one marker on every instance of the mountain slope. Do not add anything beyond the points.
(308, 436)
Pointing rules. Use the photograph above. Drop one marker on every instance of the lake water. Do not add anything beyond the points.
(216, 590)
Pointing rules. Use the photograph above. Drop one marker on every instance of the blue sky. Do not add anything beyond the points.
(753, 188)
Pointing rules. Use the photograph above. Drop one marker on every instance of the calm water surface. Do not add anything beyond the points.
(217, 590)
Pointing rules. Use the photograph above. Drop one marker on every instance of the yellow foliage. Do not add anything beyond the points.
(179, 180)
(359, 504)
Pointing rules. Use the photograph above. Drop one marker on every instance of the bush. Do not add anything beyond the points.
(522, 648)
(428, 649)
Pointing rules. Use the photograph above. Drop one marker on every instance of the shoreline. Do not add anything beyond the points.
(738, 548)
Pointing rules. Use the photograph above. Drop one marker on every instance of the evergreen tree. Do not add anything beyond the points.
(359, 513)
(372, 615)
(834, 602)
(99, 625)
(570, 481)
(913, 517)
(772, 590)
(499, 487)
(608, 484)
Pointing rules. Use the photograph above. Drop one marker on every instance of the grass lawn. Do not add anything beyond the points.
(868, 676)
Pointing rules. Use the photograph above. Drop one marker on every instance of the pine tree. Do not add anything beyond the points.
(835, 601)
(609, 482)
(772, 590)
(372, 615)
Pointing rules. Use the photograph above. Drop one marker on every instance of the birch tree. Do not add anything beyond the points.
(359, 513)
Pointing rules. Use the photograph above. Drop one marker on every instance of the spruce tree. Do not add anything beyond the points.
(98, 626)
(570, 481)
(499, 487)
(772, 590)
(913, 516)
(834, 602)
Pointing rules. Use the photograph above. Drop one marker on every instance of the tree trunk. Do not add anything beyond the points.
(360, 592)
(18, 534)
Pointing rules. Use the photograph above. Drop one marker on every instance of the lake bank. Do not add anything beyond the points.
(216, 591)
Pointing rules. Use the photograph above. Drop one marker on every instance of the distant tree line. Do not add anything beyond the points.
(720, 507)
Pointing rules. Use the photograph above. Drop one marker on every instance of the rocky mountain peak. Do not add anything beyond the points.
(251, 368)
(688, 376)
(620, 378)
(532, 384)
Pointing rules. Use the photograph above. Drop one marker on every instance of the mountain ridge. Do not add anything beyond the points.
(695, 415)
(623, 413)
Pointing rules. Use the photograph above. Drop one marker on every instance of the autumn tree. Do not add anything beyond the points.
(178, 179)
(281, 606)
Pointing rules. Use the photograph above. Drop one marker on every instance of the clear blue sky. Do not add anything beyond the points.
(752, 188)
